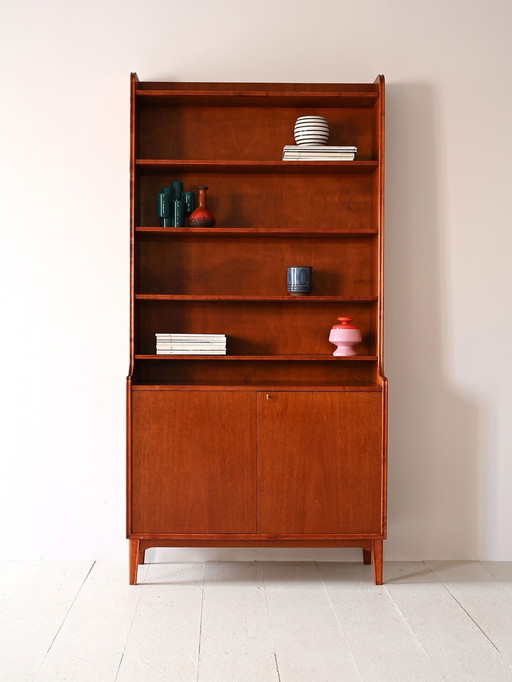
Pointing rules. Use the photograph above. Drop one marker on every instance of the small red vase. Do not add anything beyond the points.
(201, 216)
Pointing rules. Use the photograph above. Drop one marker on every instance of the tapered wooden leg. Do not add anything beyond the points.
(377, 560)
(367, 556)
(140, 554)
(134, 560)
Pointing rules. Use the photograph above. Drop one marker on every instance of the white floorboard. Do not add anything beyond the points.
(309, 644)
(163, 642)
(92, 639)
(33, 613)
(501, 570)
(451, 639)
(256, 622)
(13, 575)
(236, 644)
(486, 601)
(382, 642)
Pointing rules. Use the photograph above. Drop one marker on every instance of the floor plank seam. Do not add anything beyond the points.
(131, 623)
(119, 666)
(503, 656)
(277, 667)
(200, 623)
(356, 668)
(269, 620)
(415, 636)
(64, 620)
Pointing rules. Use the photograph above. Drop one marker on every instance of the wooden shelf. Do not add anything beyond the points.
(272, 167)
(271, 386)
(266, 358)
(256, 98)
(256, 299)
(252, 232)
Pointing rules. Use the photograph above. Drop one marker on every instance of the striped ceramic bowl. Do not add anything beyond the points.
(311, 130)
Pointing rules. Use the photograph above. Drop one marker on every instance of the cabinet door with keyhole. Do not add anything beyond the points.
(320, 462)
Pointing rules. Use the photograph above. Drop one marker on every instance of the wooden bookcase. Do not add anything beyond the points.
(277, 443)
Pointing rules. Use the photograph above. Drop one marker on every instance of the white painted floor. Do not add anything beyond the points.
(264, 622)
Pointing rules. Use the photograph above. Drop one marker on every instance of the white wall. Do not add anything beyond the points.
(64, 255)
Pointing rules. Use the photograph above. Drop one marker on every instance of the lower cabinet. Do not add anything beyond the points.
(283, 462)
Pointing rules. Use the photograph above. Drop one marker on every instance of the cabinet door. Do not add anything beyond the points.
(193, 462)
(320, 462)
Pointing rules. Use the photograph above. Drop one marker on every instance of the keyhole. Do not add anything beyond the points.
(268, 396)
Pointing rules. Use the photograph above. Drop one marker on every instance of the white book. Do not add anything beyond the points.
(318, 148)
(205, 346)
(204, 342)
(300, 152)
(191, 346)
(318, 157)
(190, 352)
(205, 337)
(194, 342)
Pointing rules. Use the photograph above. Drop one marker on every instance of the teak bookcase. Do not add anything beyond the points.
(277, 443)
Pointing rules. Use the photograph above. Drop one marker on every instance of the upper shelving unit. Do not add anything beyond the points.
(270, 214)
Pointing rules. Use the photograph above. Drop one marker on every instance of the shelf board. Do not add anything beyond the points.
(259, 358)
(256, 98)
(273, 167)
(252, 232)
(273, 386)
(255, 299)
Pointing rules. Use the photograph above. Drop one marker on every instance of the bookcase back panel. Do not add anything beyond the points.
(243, 133)
(234, 265)
(255, 328)
(308, 201)
(257, 373)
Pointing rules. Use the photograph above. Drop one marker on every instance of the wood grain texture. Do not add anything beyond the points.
(241, 133)
(148, 540)
(210, 459)
(377, 560)
(341, 267)
(272, 197)
(265, 89)
(261, 328)
(319, 463)
(193, 462)
(258, 373)
(134, 560)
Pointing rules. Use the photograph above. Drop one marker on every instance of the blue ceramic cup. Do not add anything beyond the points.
(299, 279)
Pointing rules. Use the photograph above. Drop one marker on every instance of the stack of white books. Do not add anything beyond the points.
(319, 152)
(190, 344)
